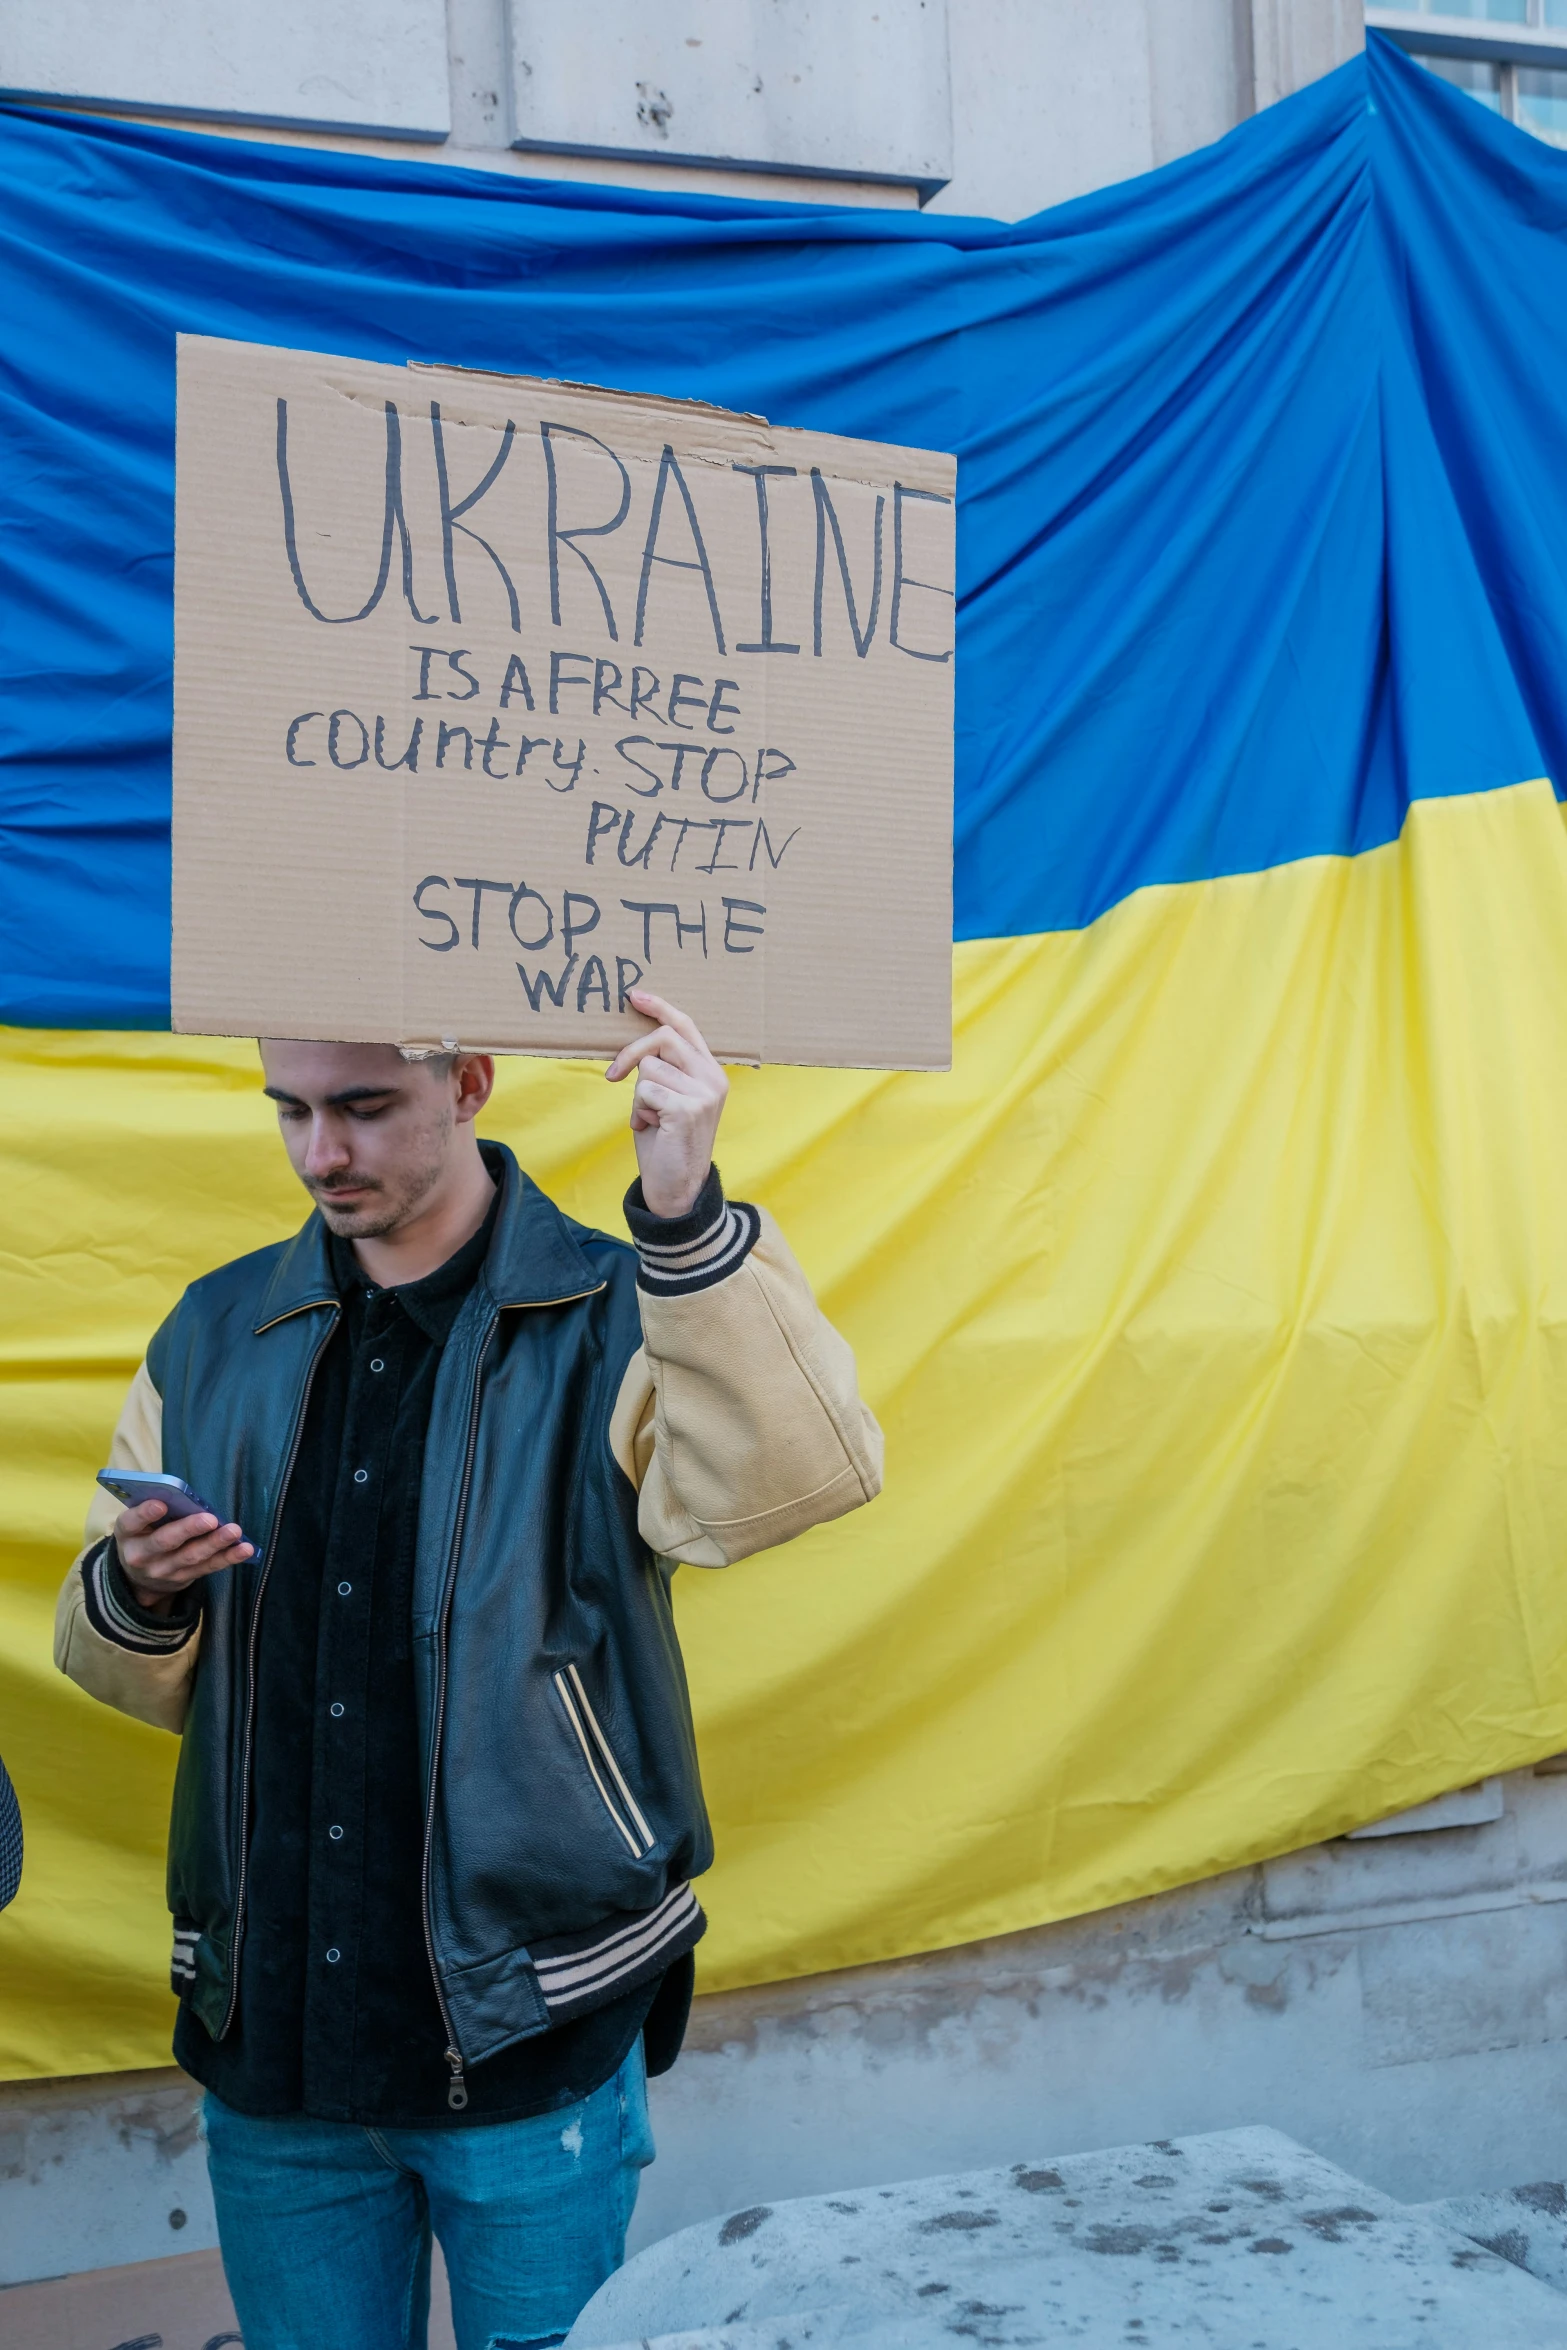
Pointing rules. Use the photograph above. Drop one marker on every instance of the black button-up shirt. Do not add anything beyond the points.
(338, 2015)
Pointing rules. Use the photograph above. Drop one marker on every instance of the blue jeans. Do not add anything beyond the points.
(326, 2226)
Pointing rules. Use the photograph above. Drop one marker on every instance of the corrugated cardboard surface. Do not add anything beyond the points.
(496, 697)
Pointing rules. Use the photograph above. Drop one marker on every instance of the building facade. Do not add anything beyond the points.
(999, 107)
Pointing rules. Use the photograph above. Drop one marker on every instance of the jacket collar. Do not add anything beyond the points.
(534, 1258)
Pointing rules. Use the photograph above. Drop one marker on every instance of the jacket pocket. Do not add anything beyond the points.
(599, 1756)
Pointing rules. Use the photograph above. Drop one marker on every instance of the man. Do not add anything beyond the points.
(437, 1807)
(10, 1840)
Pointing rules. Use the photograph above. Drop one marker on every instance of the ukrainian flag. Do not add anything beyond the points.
(1216, 1304)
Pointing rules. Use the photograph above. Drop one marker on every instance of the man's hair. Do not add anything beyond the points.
(440, 1060)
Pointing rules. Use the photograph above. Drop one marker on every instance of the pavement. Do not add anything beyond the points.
(1236, 2240)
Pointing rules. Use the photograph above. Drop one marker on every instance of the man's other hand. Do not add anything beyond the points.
(676, 1107)
(160, 1560)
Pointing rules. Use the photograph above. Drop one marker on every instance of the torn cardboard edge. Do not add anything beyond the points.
(571, 383)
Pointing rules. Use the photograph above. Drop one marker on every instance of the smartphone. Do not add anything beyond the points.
(134, 1486)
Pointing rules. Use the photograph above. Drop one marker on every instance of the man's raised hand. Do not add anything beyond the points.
(676, 1107)
(159, 1560)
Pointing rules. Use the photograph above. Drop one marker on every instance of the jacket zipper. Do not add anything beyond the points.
(237, 1938)
(457, 2087)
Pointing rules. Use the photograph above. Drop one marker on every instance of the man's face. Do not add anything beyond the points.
(369, 1134)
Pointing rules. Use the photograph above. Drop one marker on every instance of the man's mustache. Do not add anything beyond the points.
(330, 1183)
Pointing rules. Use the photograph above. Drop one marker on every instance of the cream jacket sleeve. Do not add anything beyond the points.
(140, 1674)
(739, 1420)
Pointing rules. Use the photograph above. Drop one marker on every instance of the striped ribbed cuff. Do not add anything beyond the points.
(677, 1254)
(114, 1612)
(578, 1972)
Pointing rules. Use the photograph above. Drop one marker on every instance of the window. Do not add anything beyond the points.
(1480, 76)
(1542, 101)
(1493, 11)
(1511, 55)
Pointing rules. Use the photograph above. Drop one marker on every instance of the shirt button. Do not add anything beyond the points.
(378, 1365)
(344, 1589)
(336, 1835)
(361, 1476)
(337, 1713)
(332, 1957)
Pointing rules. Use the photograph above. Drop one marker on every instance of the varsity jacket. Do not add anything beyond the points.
(595, 1422)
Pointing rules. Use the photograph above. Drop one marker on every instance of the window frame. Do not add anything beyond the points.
(1429, 33)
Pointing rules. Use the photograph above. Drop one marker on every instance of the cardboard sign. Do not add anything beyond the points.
(496, 697)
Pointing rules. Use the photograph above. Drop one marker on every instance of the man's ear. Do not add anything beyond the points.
(475, 1075)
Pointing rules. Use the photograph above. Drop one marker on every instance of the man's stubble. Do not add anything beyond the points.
(400, 1198)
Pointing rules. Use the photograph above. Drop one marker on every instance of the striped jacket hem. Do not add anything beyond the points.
(576, 1972)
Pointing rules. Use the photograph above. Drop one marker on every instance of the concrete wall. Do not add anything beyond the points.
(1051, 98)
(1399, 2004)
(1039, 100)
(281, 61)
(98, 2172)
